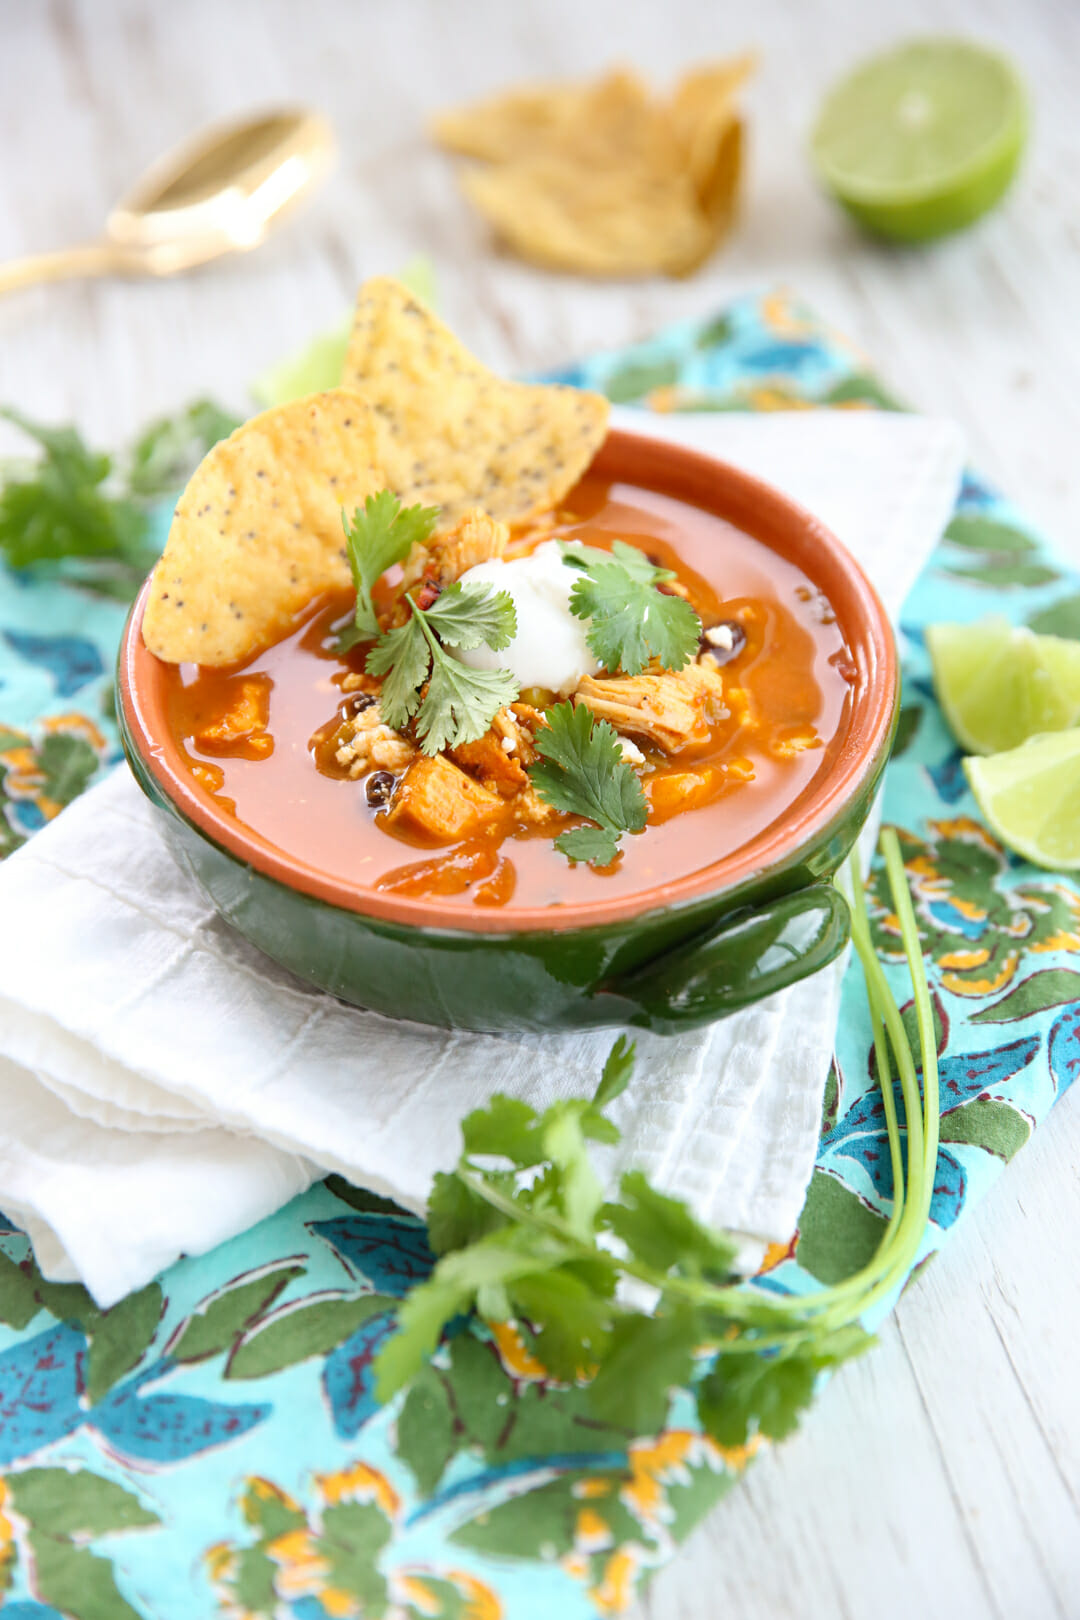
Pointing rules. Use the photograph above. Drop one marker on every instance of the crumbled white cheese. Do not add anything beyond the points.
(631, 752)
(549, 648)
(721, 635)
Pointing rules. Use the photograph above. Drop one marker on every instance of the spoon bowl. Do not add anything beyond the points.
(221, 192)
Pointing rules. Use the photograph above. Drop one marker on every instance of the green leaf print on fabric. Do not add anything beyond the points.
(988, 1123)
(303, 1328)
(1051, 987)
(64, 1509)
(1059, 619)
(907, 729)
(977, 932)
(544, 1523)
(225, 1315)
(67, 763)
(838, 1233)
(358, 1198)
(975, 532)
(119, 1339)
(75, 1502)
(77, 1581)
(640, 378)
(19, 1303)
(353, 1536)
(861, 390)
(1004, 574)
(472, 1403)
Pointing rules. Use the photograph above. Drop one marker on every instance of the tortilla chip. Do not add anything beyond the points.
(607, 179)
(568, 217)
(452, 435)
(258, 531)
(702, 110)
(504, 126)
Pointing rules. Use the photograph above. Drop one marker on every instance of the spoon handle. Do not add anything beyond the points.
(92, 259)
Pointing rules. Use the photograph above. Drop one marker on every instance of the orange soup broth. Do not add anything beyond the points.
(704, 803)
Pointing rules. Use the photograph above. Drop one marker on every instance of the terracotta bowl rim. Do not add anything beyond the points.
(868, 636)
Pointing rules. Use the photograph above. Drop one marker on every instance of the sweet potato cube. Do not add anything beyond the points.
(241, 729)
(496, 768)
(438, 799)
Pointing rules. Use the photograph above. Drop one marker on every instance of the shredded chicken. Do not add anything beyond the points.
(671, 709)
(499, 757)
(475, 538)
(436, 798)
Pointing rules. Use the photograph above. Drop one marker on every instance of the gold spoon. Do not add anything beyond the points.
(219, 193)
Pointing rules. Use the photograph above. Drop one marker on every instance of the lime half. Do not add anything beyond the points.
(1031, 798)
(924, 139)
(999, 685)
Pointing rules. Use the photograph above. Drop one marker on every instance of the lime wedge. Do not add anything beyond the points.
(999, 685)
(924, 139)
(1030, 797)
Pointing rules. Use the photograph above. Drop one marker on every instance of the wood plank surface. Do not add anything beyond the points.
(939, 1476)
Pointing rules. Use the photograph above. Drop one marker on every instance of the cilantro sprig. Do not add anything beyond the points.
(84, 513)
(630, 621)
(451, 703)
(524, 1234)
(582, 772)
(62, 510)
(382, 532)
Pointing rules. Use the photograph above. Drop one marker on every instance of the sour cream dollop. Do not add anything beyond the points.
(549, 648)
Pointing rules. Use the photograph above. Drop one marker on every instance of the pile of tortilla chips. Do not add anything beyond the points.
(258, 532)
(604, 178)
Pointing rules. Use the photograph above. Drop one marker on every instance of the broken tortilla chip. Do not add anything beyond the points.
(605, 178)
(558, 214)
(703, 111)
(451, 434)
(258, 531)
(501, 127)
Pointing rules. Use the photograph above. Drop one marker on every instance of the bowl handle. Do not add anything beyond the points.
(747, 956)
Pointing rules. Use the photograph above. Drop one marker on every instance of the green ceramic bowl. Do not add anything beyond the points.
(673, 957)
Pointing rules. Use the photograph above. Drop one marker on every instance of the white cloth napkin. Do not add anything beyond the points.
(163, 1085)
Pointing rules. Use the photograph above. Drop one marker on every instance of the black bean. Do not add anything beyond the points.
(722, 654)
(380, 785)
(357, 702)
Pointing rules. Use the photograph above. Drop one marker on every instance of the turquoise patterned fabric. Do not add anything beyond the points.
(213, 1445)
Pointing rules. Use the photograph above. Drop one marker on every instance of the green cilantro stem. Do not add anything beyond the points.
(494, 1225)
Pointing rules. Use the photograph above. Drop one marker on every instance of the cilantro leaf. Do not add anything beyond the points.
(583, 773)
(506, 1128)
(753, 1392)
(662, 1233)
(574, 1321)
(457, 1215)
(381, 534)
(58, 511)
(632, 558)
(423, 1314)
(596, 844)
(460, 703)
(647, 1358)
(617, 1073)
(473, 616)
(630, 621)
(401, 655)
(172, 447)
(451, 703)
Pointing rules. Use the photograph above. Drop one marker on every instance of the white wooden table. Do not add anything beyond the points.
(939, 1476)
